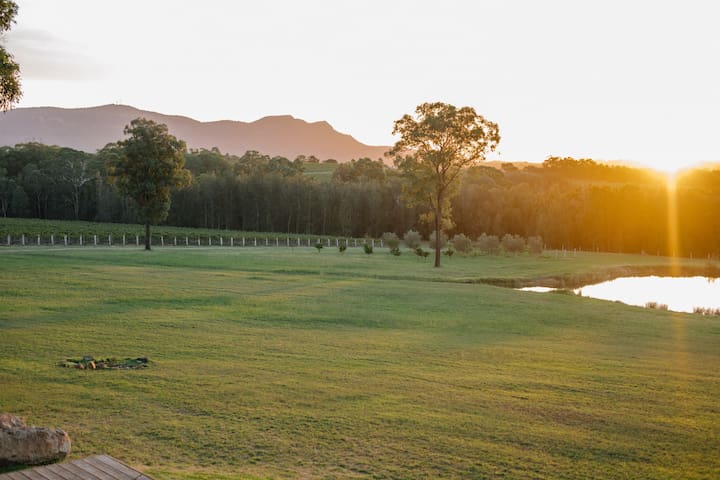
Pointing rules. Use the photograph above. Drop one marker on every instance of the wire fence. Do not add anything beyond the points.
(182, 241)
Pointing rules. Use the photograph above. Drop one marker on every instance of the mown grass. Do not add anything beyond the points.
(288, 363)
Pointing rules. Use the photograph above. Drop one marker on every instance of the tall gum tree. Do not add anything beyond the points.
(10, 91)
(145, 167)
(435, 146)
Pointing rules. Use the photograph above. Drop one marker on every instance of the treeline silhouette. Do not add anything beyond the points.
(571, 204)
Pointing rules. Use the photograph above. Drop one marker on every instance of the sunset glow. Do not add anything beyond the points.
(550, 73)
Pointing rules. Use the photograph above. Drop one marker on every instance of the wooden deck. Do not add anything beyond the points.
(99, 467)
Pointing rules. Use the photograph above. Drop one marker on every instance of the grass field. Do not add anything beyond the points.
(288, 363)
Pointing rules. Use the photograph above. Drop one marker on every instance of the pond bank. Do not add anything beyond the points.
(577, 280)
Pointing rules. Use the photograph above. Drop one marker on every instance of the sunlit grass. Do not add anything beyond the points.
(288, 363)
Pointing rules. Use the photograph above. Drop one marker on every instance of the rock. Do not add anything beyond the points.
(23, 445)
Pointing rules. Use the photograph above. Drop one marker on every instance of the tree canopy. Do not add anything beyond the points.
(10, 91)
(434, 148)
(145, 167)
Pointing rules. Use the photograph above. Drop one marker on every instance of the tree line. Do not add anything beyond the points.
(569, 203)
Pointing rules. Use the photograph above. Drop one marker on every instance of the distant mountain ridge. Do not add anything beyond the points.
(90, 129)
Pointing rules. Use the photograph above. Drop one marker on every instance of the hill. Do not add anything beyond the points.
(90, 129)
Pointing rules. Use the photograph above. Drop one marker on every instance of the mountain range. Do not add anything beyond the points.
(90, 129)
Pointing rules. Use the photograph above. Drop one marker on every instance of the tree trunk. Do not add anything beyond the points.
(438, 225)
(147, 236)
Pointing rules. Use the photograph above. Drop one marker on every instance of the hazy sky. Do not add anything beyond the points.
(611, 80)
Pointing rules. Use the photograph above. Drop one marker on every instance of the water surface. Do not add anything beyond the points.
(680, 294)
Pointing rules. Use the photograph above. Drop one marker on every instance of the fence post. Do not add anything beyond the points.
(277, 242)
(308, 242)
(175, 241)
(266, 241)
(9, 239)
(255, 240)
(187, 242)
(38, 240)
(65, 239)
(232, 242)
(355, 241)
(243, 241)
(162, 241)
(109, 240)
(123, 239)
(298, 241)
(221, 241)
(52, 239)
(95, 240)
(209, 241)
(137, 240)
(198, 241)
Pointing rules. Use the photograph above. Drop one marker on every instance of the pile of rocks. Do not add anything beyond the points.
(23, 445)
(89, 363)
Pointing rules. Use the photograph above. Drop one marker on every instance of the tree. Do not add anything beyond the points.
(10, 91)
(77, 172)
(145, 167)
(433, 150)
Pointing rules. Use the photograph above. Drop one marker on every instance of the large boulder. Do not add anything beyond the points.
(23, 445)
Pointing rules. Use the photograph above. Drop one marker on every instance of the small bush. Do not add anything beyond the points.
(535, 245)
(367, 248)
(488, 243)
(443, 239)
(706, 311)
(412, 239)
(461, 243)
(513, 243)
(390, 240)
(656, 305)
(449, 252)
(421, 253)
(395, 251)
(319, 246)
(342, 248)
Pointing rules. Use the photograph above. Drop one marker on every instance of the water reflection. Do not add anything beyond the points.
(680, 294)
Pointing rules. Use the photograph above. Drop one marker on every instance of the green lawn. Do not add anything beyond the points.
(288, 363)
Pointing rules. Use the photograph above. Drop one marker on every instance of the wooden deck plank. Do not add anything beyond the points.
(59, 473)
(46, 473)
(119, 466)
(77, 472)
(98, 467)
(89, 467)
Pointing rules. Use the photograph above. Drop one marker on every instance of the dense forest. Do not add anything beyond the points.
(569, 203)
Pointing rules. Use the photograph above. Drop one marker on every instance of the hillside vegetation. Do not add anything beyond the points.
(568, 203)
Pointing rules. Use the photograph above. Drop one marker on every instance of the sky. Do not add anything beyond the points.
(632, 80)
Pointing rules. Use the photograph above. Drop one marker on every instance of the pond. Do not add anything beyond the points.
(680, 294)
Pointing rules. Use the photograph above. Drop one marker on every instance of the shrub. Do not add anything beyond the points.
(395, 251)
(449, 252)
(535, 245)
(367, 248)
(656, 305)
(461, 243)
(390, 240)
(513, 243)
(412, 239)
(342, 248)
(421, 253)
(443, 239)
(488, 243)
(319, 246)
